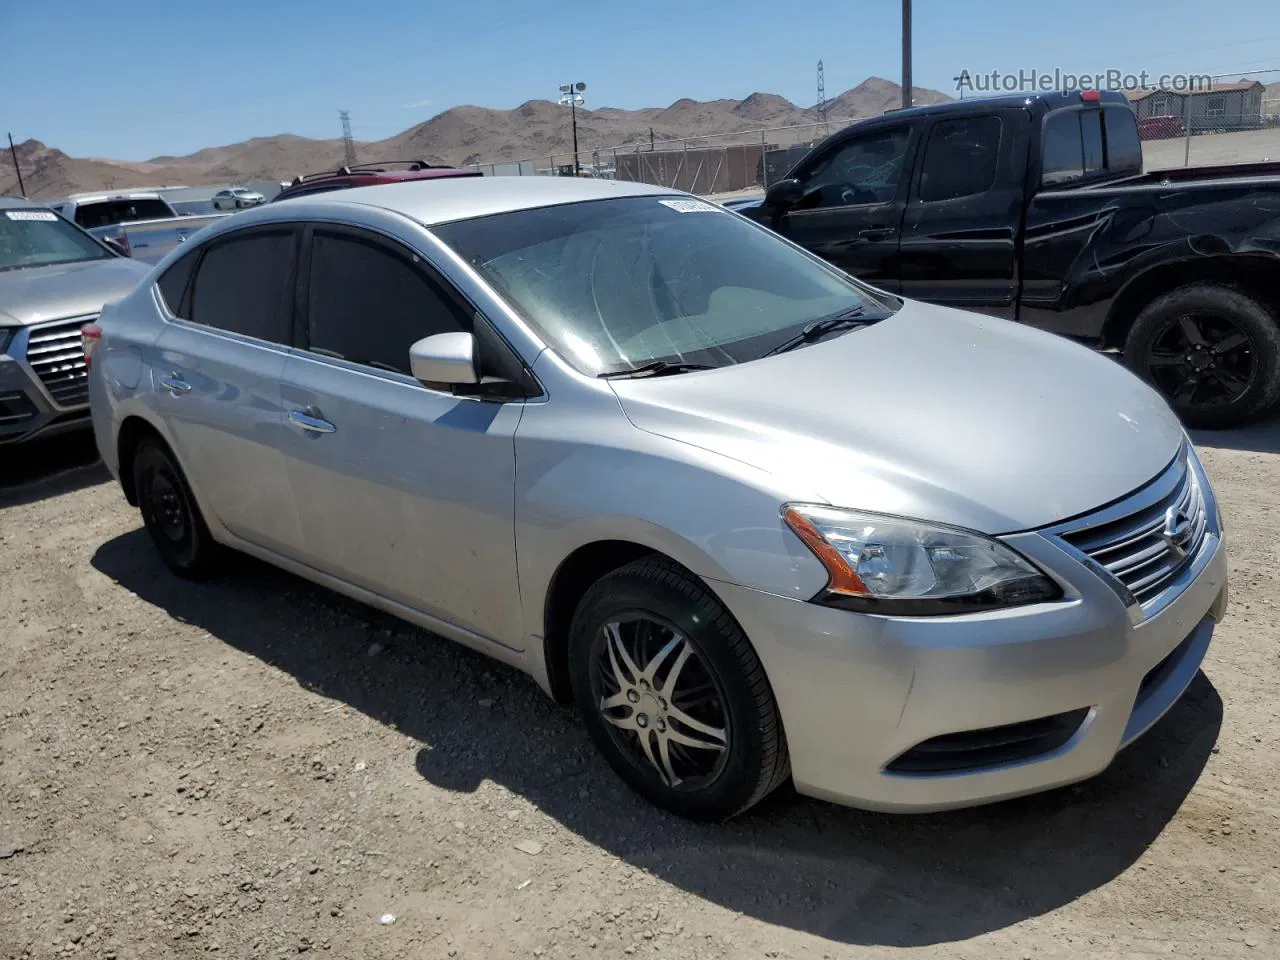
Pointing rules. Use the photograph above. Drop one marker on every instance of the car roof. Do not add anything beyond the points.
(461, 198)
(19, 203)
(1051, 100)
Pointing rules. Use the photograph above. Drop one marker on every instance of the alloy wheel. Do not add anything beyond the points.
(1201, 361)
(663, 706)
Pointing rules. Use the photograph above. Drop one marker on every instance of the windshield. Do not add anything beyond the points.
(35, 238)
(614, 285)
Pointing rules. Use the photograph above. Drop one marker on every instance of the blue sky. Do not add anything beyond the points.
(131, 81)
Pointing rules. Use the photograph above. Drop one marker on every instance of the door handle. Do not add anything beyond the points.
(304, 421)
(876, 233)
(175, 384)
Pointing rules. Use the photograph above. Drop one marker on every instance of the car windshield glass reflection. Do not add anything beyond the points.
(618, 284)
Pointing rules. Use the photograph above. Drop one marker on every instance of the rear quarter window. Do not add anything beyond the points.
(1124, 147)
(173, 283)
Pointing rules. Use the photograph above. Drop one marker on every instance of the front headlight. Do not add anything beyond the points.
(889, 565)
(6, 335)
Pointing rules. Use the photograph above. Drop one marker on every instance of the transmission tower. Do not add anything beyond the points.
(348, 144)
(822, 99)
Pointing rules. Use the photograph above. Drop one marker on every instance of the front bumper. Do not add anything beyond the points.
(28, 407)
(859, 693)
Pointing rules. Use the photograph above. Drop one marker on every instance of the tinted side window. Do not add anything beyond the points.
(1063, 149)
(245, 285)
(1091, 138)
(960, 159)
(866, 169)
(173, 282)
(1124, 148)
(369, 305)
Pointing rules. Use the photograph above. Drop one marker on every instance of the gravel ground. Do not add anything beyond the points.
(258, 768)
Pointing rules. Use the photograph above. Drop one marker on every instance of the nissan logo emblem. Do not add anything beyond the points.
(1177, 530)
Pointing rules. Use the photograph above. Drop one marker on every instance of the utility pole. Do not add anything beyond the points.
(822, 99)
(906, 53)
(348, 142)
(571, 94)
(13, 151)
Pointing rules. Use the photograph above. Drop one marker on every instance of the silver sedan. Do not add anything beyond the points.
(758, 520)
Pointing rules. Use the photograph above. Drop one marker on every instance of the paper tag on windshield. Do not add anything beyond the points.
(31, 215)
(689, 206)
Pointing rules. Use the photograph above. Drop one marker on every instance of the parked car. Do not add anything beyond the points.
(1036, 209)
(1160, 128)
(54, 278)
(370, 174)
(756, 518)
(139, 224)
(237, 198)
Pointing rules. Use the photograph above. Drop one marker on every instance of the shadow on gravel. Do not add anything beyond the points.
(40, 469)
(1261, 437)
(849, 876)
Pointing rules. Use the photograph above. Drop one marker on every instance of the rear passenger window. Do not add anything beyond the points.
(1124, 149)
(245, 285)
(960, 159)
(173, 282)
(1062, 150)
(369, 305)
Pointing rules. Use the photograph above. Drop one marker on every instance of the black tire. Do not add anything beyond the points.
(170, 514)
(662, 594)
(1208, 388)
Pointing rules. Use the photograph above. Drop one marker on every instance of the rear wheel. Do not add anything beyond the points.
(673, 694)
(170, 513)
(1212, 351)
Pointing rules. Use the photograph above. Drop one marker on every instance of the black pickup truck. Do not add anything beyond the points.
(1037, 209)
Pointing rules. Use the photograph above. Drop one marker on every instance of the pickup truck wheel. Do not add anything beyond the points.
(1213, 352)
(673, 694)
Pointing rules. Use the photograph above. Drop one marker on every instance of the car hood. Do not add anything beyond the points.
(35, 294)
(933, 413)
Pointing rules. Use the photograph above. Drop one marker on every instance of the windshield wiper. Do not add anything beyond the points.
(820, 328)
(656, 368)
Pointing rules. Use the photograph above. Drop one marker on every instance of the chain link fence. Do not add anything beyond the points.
(1234, 119)
(715, 165)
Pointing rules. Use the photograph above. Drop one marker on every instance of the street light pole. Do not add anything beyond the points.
(906, 53)
(571, 93)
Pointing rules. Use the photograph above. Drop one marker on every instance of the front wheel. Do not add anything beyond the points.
(1213, 352)
(673, 694)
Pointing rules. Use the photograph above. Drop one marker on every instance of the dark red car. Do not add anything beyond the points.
(368, 175)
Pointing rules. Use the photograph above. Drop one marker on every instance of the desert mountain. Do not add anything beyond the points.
(461, 135)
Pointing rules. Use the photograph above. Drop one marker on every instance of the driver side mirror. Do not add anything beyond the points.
(118, 245)
(445, 358)
(784, 194)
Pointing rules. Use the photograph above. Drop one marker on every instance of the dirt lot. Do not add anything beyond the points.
(258, 768)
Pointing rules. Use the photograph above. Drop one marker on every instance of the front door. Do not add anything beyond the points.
(402, 490)
(217, 379)
(852, 202)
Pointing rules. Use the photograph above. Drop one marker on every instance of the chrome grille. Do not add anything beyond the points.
(56, 355)
(1134, 547)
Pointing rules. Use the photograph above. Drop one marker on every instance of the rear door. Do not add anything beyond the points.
(1075, 238)
(960, 233)
(854, 194)
(406, 491)
(217, 379)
